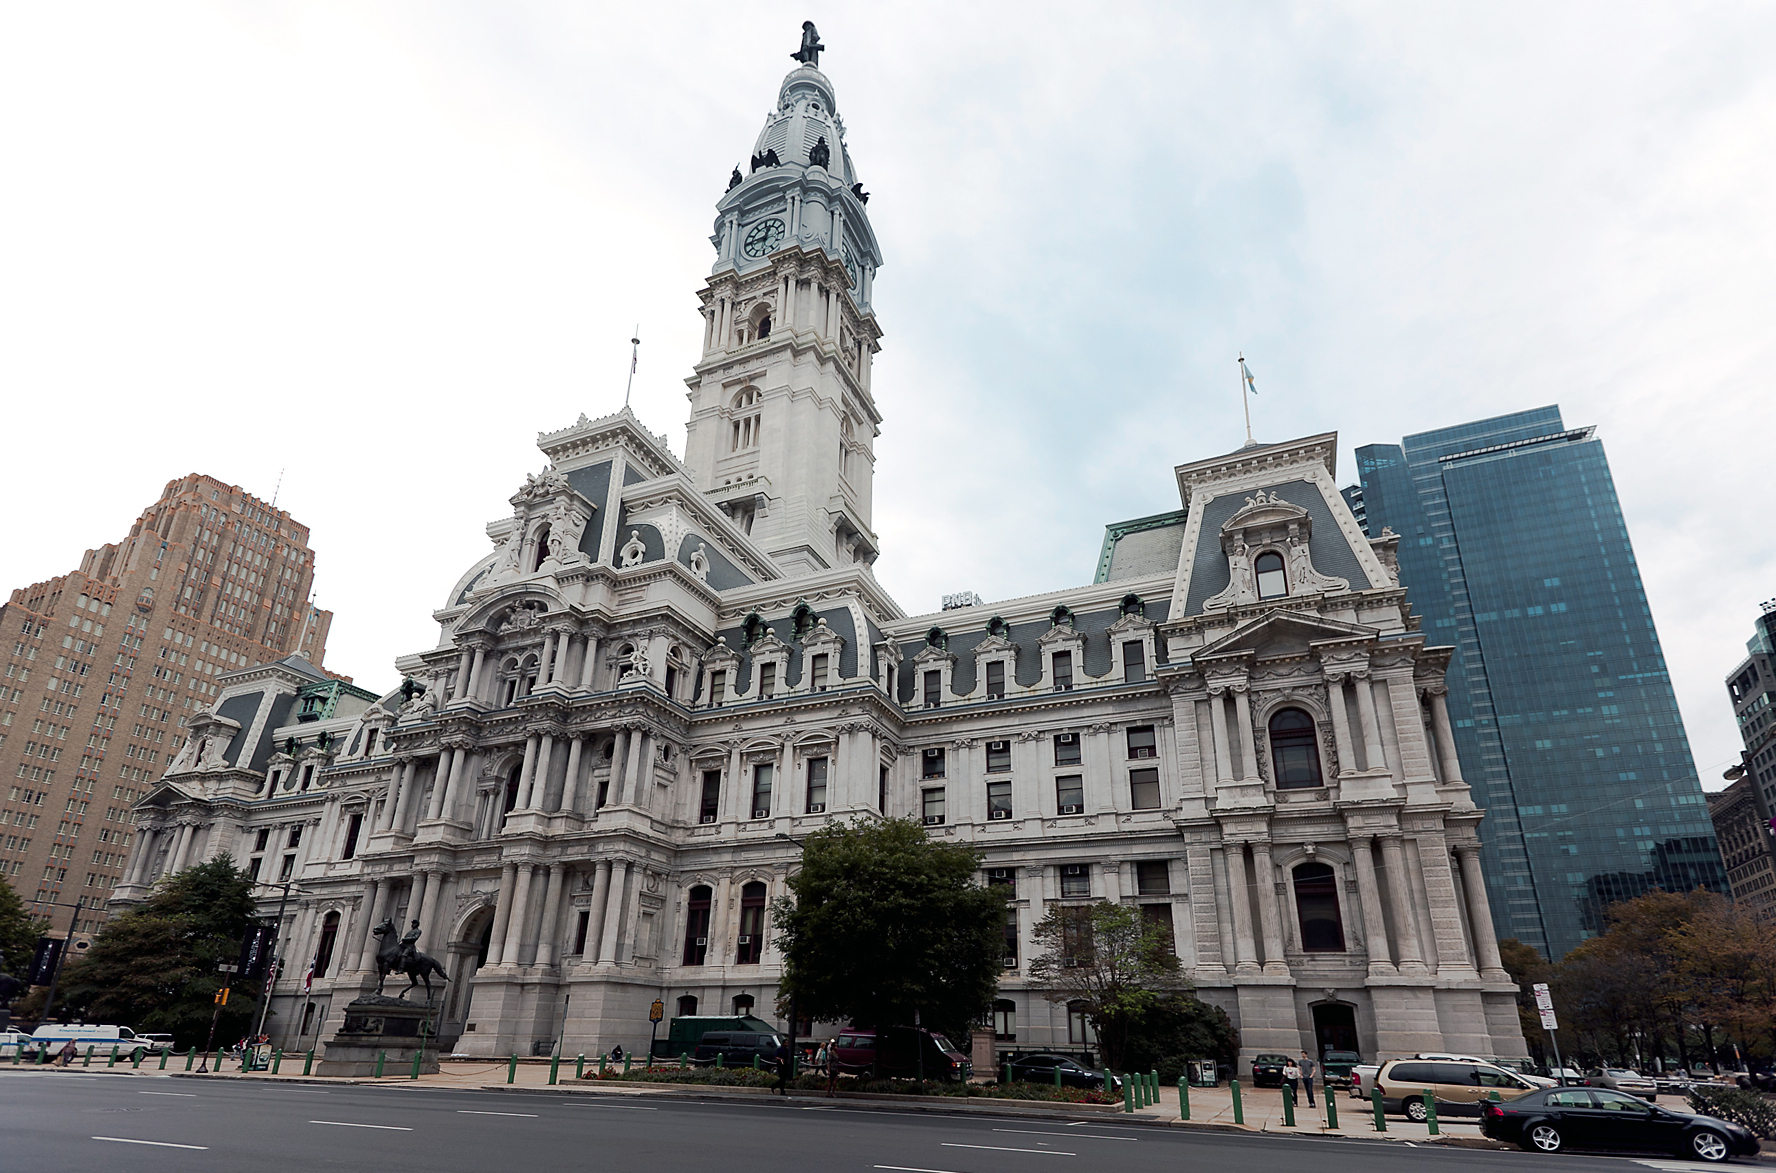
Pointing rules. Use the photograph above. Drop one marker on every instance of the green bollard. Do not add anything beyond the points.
(1430, 1112)
(1239, 1111)
(190, 1058)
(1057, 1073)
(601, 1059)
(718, 1060)
(625, 1063)
(554, 1067)
(512, 1069)
(1288, 1106)
(684, 1060)
(309, 1062)
(88, 1061)
(1494, 1095)
(136, 1058)
(755, 1061)
(246, 1058)
(277, 1060)
(1381, 1122)
(164, 1052)
(380, 1057)
(1331, 1106)
(580, 1065)
(418, 1056)
(1183, 1099)
(1128, 1093)
(1004, 1072)
(113, 1062)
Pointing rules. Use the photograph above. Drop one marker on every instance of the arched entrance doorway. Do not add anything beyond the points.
(1335, 1027)
(467, 954)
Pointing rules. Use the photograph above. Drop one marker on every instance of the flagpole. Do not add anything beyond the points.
(634, 357)
(1245, 401)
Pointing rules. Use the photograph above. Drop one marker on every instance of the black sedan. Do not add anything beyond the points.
(1042, 1068)
(1557, 1118)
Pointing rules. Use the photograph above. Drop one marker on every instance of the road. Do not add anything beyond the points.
(50, 1123)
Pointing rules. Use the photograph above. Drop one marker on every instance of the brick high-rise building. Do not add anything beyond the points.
(101, 666)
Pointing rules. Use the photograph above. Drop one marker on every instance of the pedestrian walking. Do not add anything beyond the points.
(69, 1053)
(1291, 1081)
(785, 1064)
(1308, 1067)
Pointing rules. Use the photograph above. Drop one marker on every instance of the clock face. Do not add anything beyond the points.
(851, 269)
(764, 236)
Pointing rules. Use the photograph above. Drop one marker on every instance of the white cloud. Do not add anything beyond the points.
(381, 246)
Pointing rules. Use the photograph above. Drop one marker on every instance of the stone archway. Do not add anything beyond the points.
(465, 954)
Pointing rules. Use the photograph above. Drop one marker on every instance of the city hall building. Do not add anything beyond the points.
(663, 673)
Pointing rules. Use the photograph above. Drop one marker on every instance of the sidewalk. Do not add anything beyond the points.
(1263, 1111)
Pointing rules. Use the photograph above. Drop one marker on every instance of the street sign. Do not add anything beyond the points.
(1548, 1022)
(1544, 1000)
(657, 1011)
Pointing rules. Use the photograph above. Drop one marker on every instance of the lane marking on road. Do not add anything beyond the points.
(911, 1169)
(619, 1107)
(348, 1124)
(161, 1144)
(1087, 1135)
(1002, 1149)
(473, 1112)
(181, 1095)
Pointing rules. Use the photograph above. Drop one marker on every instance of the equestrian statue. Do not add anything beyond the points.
(401, 955)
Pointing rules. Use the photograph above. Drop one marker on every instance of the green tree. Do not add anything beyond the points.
(19, 931)
(886, 924)
(154, 967)
(1175, 1029)
(1111, 961)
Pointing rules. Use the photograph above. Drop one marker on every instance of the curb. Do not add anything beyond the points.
(885, 1101)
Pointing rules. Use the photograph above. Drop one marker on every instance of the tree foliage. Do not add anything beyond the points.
(19, 931)
(154, 967)
(1110, 960)
(1175, 1029)
(886, 924)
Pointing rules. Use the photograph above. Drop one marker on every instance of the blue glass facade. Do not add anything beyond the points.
(1514, 551)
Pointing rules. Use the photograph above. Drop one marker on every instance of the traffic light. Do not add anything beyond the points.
(222, 996)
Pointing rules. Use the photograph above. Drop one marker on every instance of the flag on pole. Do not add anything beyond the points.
(1246, 374)
(308, 979)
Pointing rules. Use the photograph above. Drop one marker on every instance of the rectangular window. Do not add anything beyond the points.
(882, 789)
(583, 925)
(1141, 743)
(1011, 939)
(933, 689)
(263, 837)
(1066, 749)
(817, 670)
(1153, 878)
(1076, 879)
(1003, 881)
(352, 830)
(996, 680)
(1070, 793)
(816, 785)
(1063, 671)
(767, 681)
(718, 688)
(289, 868)
(998, 757)
(1159, 916)
(1134, 663)
(295, 836)
(933, 806)
(761, 791)
(1144, 789)
(253, 867)
(710, 804)
(999, 799)
(934, 762)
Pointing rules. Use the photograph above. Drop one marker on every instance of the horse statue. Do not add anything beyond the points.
(397, 954)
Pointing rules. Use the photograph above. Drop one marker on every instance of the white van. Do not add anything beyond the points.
(100, 1038)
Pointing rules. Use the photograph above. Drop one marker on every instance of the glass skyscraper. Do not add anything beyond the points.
(1514, 551)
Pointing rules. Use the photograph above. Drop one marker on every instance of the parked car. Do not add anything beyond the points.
(1553, 1119)
(736, 1048)
(158, 1044)
(1511, 1065)
(12, 1040)
(1267, 1070)
(1458, 1088)
(1623, 1080)
(1042, 1068)
(1336, 1067)
(1362, 1079)
(903, 1050)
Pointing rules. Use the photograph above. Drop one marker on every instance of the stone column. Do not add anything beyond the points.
(570, 786)
(1375, 936)
(1223, 750)
(619, 767)
(595, 924)
(181, 848)
(528, 774)
(417, 901)
(548, 935)
(1205, 920)
(1269, 913)
(441, 782)
(1444, 734)
(138, 867)
(376, 893)
(1486, 948)
(732, 786)
(1242, 705)
(409, 797)
(1373, 758)
(634, 775)
(428, 912)
(1244, 947)
(587, 664)
(515, 924)
(551, 649)
(610, 939)
(1341, 729)
(453, 787)
(462, 674)
(502, 915)
(531, 796)
(1405, 918)
(476, 682)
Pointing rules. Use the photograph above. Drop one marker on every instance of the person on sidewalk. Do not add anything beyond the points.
(69, 1053)
(785, 1064)
(1308, 1067)
(1292, 1081)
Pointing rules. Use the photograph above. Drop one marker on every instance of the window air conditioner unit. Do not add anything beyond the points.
(997, 745)
(702, 940)
(706, 819)
(745, 940)
(933, 705)
(1000, 814)
(1074, 869)
(933, 820)
(1067, 738)
(761, 814)
(1011, 963)
(934, 753)
(999, 873)
(1071, 808)
(1063, 688)
(817, 808)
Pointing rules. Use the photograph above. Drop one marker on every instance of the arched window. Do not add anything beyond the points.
(742, 1004)
(1272, 583)
(752, 924)
(745, 420)
(1316, 906)
(1295, 750)
(324, 950)
(687, 1005)
(542, 548)
(696, 949)
(510, 671)
(764, 328)
(512, 779)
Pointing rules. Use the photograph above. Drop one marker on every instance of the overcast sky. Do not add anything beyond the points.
(378, 247)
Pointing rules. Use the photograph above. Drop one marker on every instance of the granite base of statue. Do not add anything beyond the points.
(390, 1028)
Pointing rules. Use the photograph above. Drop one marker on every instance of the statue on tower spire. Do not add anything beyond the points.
(809, 53)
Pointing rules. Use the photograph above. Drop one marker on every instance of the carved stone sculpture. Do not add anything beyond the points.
(633, 550)
(700, 563)
(819, 155)
(811, 48)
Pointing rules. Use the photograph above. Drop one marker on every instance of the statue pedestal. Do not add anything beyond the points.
(378, 1025)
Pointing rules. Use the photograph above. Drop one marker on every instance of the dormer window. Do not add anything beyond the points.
(1272, 582)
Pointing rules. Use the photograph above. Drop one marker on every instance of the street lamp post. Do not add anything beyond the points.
(271, 976)
(793, 1009)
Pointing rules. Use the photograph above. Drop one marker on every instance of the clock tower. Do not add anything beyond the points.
(783, 424)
